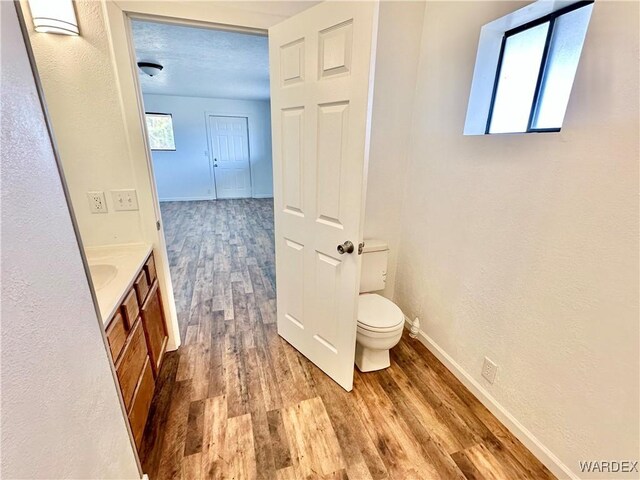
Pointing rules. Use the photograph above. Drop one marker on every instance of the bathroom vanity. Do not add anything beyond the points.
(126, 286)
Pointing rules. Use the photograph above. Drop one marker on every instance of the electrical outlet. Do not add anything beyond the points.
(124, 200)
(489, 370)
(97, 202)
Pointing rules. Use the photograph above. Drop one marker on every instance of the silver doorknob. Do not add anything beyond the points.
(346, 247)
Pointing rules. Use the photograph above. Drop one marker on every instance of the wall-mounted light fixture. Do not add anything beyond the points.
(54, 16)
(150, 68)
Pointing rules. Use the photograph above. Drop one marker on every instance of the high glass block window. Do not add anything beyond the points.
(160, 130)
(536, 69)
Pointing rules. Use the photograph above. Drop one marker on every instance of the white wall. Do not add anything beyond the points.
(61, 417)
(399, 30)
(524, 247)
(174, 171)
(82, 98)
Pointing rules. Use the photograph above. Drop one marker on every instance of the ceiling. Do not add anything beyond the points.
(202, 62)
(281, 8)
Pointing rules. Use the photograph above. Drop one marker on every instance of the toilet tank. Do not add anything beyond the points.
(373, 273)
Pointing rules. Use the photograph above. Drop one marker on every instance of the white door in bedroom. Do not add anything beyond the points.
(321, 85)
(229, 137)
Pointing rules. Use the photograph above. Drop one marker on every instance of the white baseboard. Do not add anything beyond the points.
(529, 440)
(196, 199)
(186, 199)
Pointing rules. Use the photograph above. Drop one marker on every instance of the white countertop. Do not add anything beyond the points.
(128, 259)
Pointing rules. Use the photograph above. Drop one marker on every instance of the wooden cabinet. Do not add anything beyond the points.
(150, 269)
(141, 403)
(130, 364)
(137, 336)
(155, 327)
(130, 308)
(117, 335)
(141, 286)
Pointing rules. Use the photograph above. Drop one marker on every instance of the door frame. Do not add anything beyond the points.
(246, 116)
(118, 16)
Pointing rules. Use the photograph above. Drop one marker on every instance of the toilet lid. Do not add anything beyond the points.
(378, 313)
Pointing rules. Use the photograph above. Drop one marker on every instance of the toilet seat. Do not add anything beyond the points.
(378, 314)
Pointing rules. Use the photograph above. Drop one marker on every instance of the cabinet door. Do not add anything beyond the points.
(154, 327)
(141, 403)
(130, 308)
(130, 363)
(117, 335)
(141, 287)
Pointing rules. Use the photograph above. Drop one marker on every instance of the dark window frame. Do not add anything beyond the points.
(172, 129)
(551, 18)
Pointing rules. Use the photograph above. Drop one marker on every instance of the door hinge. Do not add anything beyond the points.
(360, 248)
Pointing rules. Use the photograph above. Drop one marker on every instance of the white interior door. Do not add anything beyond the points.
(230, 148)
(321, 63)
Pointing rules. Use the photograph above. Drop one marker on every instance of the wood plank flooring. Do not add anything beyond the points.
(238, 402)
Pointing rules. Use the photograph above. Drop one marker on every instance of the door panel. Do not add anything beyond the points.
(292, 160)
(321, 86)
(335, 50)
(229, 138)
(332, 141)
(293, 275)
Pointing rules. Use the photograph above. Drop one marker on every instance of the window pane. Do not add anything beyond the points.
(160, 129)
(518, 79)
(562, 61)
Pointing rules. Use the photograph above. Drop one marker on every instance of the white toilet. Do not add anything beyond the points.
(380, 321)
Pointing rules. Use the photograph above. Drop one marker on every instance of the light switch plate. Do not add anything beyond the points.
(97, 202)
(124, 200)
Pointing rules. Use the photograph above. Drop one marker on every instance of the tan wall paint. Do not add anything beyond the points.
(524, 248)
(82, 96)
(399, 31)
(61, 416)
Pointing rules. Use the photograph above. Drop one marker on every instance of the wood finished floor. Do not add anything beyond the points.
(238, 402)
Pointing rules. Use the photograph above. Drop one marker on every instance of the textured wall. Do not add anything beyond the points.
(61, 417)
(172, 169)
(82, 97)
(399, 29)
(525, 247)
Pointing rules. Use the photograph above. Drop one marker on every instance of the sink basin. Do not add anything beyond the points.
(102, 274)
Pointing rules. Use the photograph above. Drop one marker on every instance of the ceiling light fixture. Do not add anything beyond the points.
(149, 68)
(54, 16)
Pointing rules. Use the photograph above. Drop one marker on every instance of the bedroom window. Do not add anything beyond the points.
(160, 131)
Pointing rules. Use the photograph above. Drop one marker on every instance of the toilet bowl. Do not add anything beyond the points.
(380, 324)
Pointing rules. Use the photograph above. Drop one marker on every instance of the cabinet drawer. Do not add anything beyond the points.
(131, 361)
(141, 402)
(130, 308)
(142, 287)
(117, 335)
(154, 327)
(150, 268)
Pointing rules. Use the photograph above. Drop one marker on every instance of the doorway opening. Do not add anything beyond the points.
(205, 93)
